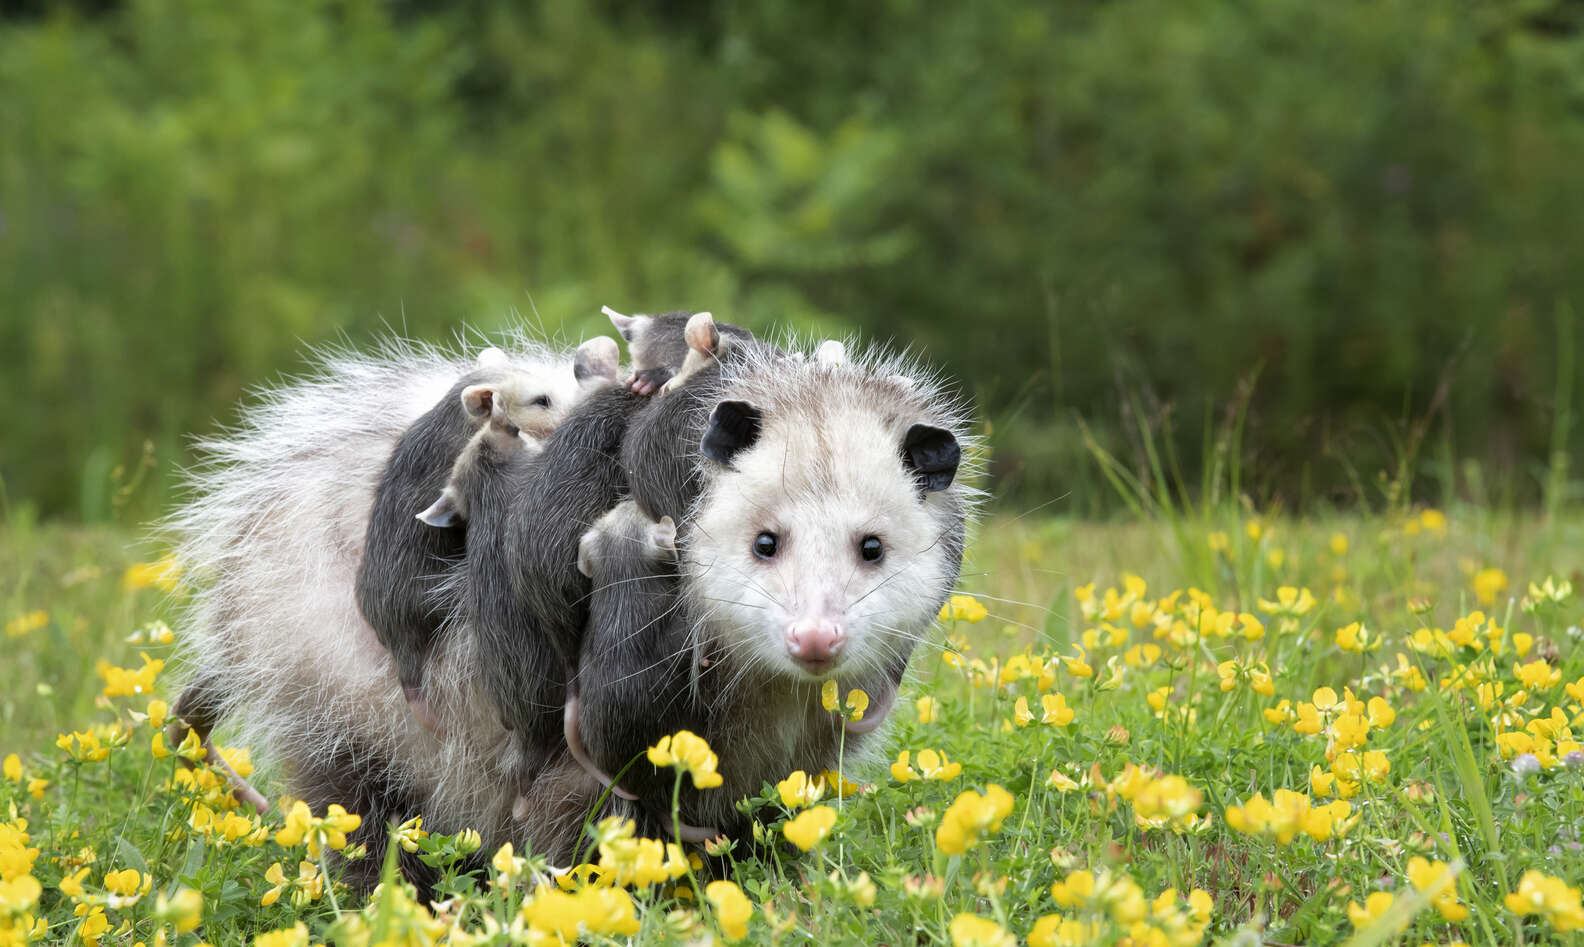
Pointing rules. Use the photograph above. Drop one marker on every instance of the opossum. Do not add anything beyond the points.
(667, 349)
(821, 455)
(411, 535)
(632, 673)
(818, 547)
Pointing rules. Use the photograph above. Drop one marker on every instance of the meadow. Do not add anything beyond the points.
(1182, 729)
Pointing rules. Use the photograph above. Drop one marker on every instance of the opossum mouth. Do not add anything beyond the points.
(817, 668)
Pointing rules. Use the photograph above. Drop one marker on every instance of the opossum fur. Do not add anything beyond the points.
(271, 536)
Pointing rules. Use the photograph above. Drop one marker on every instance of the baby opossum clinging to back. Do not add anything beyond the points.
(411, 535)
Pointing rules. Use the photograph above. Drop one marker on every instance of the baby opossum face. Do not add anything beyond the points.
(824, 545)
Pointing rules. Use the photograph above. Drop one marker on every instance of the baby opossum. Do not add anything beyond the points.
(405, 557)
(631, 653)
(667, 349)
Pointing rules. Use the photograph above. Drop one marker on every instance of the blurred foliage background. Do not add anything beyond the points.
(1306, 241)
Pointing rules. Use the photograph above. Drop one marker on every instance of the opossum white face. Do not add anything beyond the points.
(824, 548)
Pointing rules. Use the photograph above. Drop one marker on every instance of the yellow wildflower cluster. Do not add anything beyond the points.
(19, 890)
(1287, 814)
(130, 682)
(1158, 800)
(852, 707)
(635, 862)
(559, 917)
(1099, 902)
(686, 751)
(971, 817)
(26, 623)
(302, 827)
(932, 765)
(810, 827)
(1550, 898)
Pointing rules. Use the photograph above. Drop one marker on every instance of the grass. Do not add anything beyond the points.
(1157, 782)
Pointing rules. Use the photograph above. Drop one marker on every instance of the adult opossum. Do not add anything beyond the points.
(822, 456)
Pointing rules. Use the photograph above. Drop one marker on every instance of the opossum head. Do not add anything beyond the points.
(535, 402)
(514, 411)
(830, 526)
(673, 346)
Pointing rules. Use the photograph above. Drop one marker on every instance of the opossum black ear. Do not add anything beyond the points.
(478, 401)
(443, 512)
(933, 455)
(733, 428)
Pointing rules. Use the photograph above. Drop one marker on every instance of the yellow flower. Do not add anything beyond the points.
(1488, 584)
(971, 930)
(927, 709)
(184, 909)
(732, 908)
(294, 936)
(164, 574)
(638, 862)
(1548, 897)
(810, 827)
(687, 751)
(1055, 713)
(963, 608)
(93, 925)
(1357, 639)
(1061, 781)
(13, 768)
(900, 770)
(1021, 715)
(1338, 544)
(1427, 876)
(127, 882)
(562, 916)
(157, 709)
(83, 746)
(799, 791)
(829, 697)
(971, 817)
(1078, 666)
(125, 682)
(1373, 909)
(857, 702)
(26, 623)
(331, 830)
(1537, 675)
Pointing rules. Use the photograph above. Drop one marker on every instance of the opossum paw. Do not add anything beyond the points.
(649, 380)
(662, 539)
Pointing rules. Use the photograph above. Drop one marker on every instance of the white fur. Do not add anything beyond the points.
(272, 537)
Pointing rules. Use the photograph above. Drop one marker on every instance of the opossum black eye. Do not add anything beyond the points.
(543, 401)
(764, 545)
(871, 549)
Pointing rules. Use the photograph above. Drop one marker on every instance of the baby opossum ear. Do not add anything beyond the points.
(932, 454)
(443, 512)
(492, 358)
(597, 360)
(733, 428)
(478, 401)
(660, 540)
(701, 334)
(630, 327)
(588, 551)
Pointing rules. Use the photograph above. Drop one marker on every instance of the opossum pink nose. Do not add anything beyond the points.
(815, 642)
